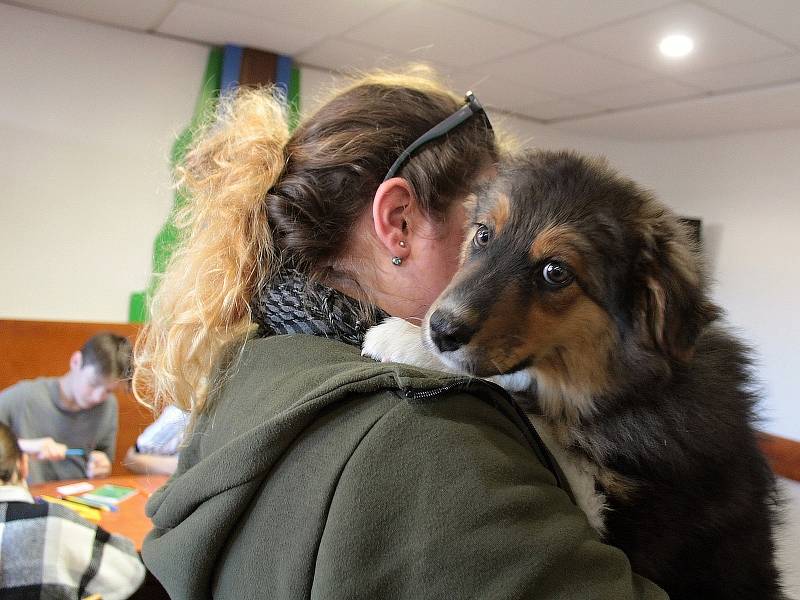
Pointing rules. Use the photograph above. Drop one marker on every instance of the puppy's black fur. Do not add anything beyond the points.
(633, 370)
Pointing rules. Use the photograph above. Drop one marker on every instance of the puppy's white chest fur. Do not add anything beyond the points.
(396, 340)
(581, 474)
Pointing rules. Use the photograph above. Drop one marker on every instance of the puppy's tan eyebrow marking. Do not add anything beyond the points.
(560, 241)
(500, 211)
(551, 241)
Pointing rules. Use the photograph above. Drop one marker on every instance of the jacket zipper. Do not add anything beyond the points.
(413, 394)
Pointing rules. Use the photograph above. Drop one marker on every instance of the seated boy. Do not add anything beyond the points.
(48, 551)
(76, 411)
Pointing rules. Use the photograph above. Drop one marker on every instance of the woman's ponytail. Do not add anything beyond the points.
(225, 252)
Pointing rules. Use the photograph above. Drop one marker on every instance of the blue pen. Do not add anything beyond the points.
(75, 452)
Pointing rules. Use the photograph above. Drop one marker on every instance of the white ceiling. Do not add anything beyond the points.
(588, 66)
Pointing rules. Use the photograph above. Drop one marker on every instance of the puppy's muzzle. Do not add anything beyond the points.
(448, 332)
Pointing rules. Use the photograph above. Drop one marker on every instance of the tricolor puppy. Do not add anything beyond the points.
(585, 295)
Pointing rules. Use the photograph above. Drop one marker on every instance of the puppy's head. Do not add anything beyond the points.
(574, 274)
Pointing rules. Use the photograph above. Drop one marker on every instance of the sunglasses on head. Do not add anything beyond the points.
(472, 107)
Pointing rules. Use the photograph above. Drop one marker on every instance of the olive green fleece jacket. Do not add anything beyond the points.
(322, 474)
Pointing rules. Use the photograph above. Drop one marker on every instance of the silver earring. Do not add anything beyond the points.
(402, 243)
(397, 261)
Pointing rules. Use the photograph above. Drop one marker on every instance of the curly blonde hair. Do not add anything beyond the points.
(259, 198)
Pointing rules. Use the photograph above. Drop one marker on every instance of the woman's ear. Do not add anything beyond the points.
(394, 202)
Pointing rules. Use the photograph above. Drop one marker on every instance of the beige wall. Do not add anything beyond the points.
(87, 117)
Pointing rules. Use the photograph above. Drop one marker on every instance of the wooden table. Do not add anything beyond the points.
(130, 519)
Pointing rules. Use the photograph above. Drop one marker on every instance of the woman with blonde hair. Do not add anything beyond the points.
(309, 470)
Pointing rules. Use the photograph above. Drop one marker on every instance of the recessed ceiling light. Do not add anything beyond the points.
(676, 45)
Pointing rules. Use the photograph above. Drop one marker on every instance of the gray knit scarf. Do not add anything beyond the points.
(293, 304)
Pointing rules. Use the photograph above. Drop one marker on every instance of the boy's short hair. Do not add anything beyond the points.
(110, 354)
(10, 453)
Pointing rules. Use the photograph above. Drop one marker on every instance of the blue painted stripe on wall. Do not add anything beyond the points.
(283, 72)
(231, 67)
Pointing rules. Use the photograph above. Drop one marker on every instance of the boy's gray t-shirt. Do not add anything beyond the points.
(31, 408)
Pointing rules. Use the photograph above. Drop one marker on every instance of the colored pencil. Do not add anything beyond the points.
(91, 503)
(86, 512)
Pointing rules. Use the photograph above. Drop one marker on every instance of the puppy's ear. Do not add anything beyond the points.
(672, 307)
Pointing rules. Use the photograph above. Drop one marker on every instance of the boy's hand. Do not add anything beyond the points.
(45, 448)
(98, 465)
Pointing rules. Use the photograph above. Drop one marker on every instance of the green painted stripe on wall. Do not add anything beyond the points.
(293, 96)
(167, 238)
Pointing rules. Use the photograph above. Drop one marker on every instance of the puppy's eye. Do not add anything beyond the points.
(482, 236)
(557, 274)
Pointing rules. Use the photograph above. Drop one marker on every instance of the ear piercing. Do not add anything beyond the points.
(396, 260)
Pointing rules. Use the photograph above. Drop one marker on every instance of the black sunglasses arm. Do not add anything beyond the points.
(465, 112)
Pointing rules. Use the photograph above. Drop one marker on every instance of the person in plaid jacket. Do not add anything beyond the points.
(48, 551)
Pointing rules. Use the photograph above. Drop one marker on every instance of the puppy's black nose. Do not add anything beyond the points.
(448, 333)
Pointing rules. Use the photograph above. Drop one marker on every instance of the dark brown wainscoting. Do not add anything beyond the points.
(783, 454)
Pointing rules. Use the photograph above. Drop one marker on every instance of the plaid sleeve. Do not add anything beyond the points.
(49, 551)
(119, 570)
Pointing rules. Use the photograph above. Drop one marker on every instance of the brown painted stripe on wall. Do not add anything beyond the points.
(258, 67)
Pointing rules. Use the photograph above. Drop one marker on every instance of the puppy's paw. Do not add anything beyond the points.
(392, 340)
(397, 340)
